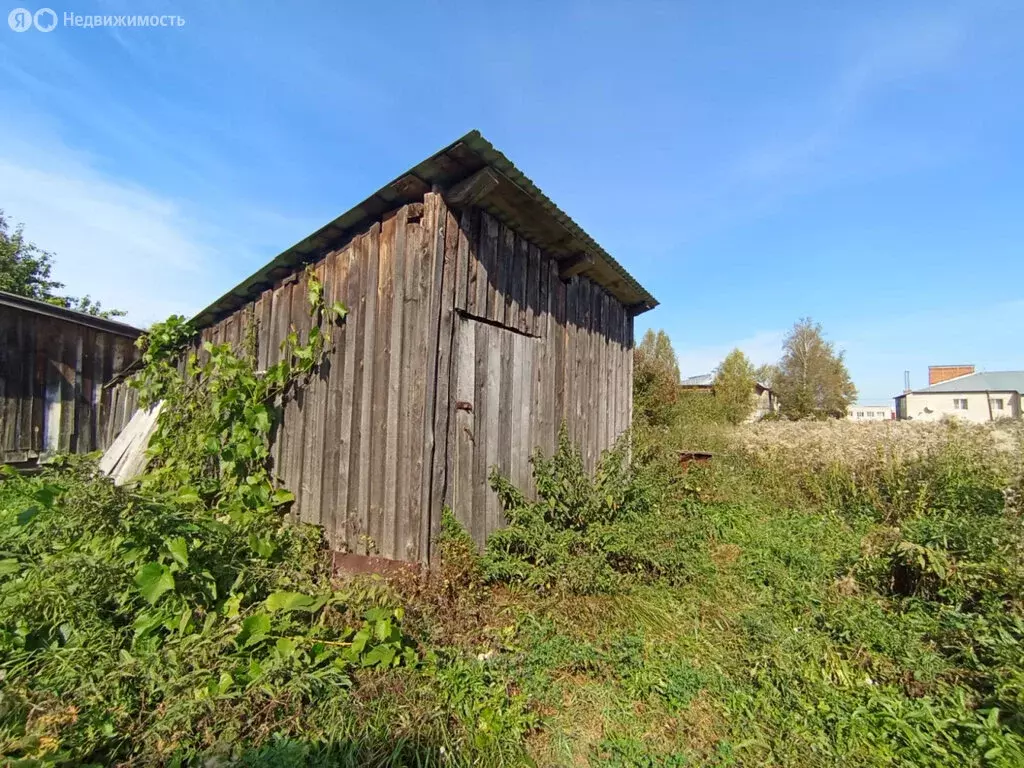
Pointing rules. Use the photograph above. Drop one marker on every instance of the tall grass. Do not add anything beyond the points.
(817, 595)
(862, 605)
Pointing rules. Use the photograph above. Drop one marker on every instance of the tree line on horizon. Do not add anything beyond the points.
(810, 380)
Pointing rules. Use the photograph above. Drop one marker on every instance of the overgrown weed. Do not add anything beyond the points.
(584, 534)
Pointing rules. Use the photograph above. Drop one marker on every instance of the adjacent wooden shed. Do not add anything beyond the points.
(54, 363)
(481, 318)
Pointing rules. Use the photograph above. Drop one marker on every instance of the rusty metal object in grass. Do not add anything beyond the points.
(351, 564)
(686, 458)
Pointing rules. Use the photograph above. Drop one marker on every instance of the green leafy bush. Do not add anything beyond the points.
(131, 625)
(587, 535)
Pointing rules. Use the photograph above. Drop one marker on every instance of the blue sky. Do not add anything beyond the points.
(750, 163)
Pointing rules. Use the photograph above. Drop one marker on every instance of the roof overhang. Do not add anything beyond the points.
(960, 392)
(46, 309)
(470, 171)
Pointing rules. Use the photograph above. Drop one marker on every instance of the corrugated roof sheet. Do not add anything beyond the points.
(704, 380)
(707, 379)
(533, 214)
(983, 381)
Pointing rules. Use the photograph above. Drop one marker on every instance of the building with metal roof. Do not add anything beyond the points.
(765, 402)
(981, 396)
(475, 172)
(481, 318)
(703, 380)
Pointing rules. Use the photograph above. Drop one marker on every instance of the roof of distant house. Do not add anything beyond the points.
(707, 379)
(984, 381)
(704, 380)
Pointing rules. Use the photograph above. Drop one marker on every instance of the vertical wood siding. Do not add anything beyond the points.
(555, 351)
(462, 350)
(53, 397)
(351, 442)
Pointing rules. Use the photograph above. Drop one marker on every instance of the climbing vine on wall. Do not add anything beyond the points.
(219, 412)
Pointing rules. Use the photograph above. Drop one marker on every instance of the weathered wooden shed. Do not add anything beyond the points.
(54, 365)
(481, 318)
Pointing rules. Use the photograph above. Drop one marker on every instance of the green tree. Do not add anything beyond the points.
(734, 387)
(812, 380)
(655, 379)
(25, 270)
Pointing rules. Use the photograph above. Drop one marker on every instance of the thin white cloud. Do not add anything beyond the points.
(824, 145)
(118, 243)
(884, 56)
(897, 52)
(128, 246)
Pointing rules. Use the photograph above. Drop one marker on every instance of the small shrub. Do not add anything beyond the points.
(153, 622)
(585, 535)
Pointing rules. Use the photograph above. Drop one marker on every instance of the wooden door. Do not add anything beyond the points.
(492, 409)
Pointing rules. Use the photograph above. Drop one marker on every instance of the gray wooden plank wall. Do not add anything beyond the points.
(351, 444)
(462, 349)
(52, 393)
(554, 351)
